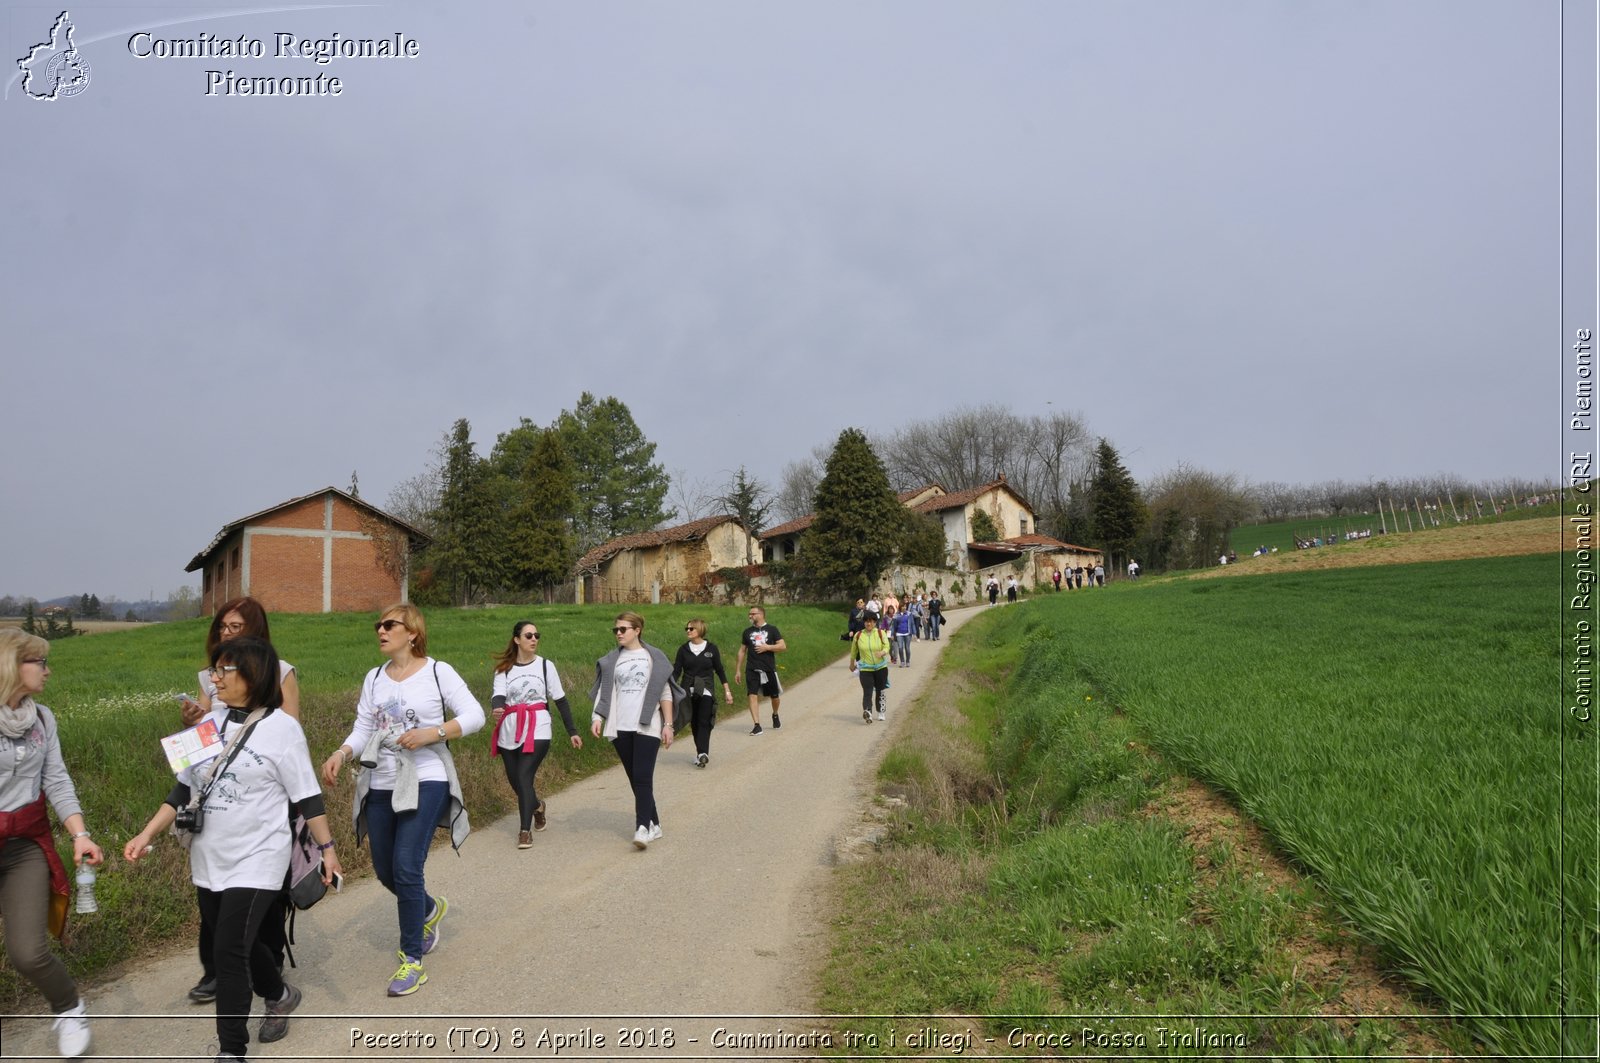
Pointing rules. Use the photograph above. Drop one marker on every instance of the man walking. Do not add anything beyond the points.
(760, 640)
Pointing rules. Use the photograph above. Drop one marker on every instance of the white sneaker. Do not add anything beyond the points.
(641, 837)
(880, 716)
(655, 832)
(72, 1031)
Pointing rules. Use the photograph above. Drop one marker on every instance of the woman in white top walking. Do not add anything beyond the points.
(525, 686)
(409, 786)
(633, 704)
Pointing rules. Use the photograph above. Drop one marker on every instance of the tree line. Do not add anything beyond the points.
(515, 522)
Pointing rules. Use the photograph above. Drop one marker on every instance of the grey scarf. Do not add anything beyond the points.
(16, 721)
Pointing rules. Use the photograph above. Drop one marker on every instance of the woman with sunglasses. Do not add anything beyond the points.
(525, 685)
(240, 844)
(634, 699)
(32, 877)
(697, 661)
(409, 786)
(238, 618)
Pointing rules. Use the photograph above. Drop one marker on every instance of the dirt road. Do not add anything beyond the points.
(582, 937)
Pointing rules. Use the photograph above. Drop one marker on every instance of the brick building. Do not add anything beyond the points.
(326, 552)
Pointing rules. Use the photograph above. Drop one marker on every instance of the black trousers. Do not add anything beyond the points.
(521, 768)
(702, 718)
(638, 755)
(874, 687)
(244, 965)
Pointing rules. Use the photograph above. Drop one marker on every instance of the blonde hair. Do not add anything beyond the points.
(411, 617)
(16, 644)
(698, 626)
(633, 620)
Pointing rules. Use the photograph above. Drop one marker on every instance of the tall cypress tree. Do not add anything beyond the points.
(541, 541)
(468, 552)
(858, 526)
(1115, 506)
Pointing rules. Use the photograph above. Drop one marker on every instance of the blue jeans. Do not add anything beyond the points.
(399, 843)
(903, 643)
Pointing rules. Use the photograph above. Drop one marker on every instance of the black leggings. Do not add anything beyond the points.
(242, 961)
(702, 717)
(874, 686)
(638, 755)
(521, 767)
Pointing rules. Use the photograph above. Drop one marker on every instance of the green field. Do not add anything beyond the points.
(1397, 731)
(113, 694)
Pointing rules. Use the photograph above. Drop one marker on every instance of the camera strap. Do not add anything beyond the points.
(232, 749)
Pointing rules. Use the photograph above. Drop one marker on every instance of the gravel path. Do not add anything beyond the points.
(581, 937)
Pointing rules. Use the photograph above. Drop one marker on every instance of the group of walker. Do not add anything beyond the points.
(233, 812)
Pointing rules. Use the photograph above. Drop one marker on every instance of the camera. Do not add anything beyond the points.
(190, 819)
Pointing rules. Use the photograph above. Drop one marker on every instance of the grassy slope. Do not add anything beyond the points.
(1397, 730)
(113, 695)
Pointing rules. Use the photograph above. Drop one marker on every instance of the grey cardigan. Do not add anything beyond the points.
(660, 682)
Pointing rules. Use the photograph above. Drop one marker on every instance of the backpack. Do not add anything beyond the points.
(306, 887)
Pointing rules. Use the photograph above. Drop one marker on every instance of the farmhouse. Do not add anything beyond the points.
(324, 552)
(1020, 547)
(668, 564)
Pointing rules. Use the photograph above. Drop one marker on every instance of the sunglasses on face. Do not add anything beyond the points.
(530, 634)
(621, 630)
(42, 662)
(388, 625)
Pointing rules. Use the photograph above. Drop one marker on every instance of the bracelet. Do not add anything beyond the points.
(81, 834)
(325, 846)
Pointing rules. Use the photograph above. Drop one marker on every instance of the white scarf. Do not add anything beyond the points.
(17, 721)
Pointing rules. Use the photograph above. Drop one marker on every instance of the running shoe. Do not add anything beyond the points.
(430, 929)
(276, 1024)
(776, 723)
(409, 978)
(538, 817)
(756, 729)
(641, 838)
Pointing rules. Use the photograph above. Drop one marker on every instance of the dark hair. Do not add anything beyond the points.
(257, 662)
(508, 658)
(250, 611)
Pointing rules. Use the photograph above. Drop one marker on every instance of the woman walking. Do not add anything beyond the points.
(634, 697)
(525, 686)
(900, 630)
(239, 836)
(869, 659)
(408, 787)
(33, 881)
(697, 661)
(238, 618)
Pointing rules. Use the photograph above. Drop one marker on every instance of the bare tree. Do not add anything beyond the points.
(797, 485)
(691, 498)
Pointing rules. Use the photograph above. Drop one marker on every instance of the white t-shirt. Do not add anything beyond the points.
(244, 841)
(628, 682)
(414, 702)
(523, 684)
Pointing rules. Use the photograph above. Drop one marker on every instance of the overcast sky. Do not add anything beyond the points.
(1288, 241)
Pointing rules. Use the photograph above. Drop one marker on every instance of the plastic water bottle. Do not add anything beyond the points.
(86, 902)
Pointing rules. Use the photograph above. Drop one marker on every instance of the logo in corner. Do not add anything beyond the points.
(55, 69)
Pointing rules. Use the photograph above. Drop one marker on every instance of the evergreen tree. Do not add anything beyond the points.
(620, 490)
(30, 623)
(541, 540)
(922, 542)
(468, 552)
(95, 608)
(1114, 506)
(749, 501)
(858, 526)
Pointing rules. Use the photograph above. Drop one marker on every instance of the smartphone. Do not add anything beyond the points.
(338, 882)
(184, 699)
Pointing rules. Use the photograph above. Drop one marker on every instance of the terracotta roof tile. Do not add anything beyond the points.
(682, 533)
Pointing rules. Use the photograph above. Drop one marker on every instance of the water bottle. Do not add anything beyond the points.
(86, 902)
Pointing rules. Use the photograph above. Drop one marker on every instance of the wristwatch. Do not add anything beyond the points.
(441, 733)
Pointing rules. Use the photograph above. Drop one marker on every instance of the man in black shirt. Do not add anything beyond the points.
(760, 641)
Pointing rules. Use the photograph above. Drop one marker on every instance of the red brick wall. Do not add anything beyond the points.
(286, 573)
(345, 516)
(307, 514)
(359, 582)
